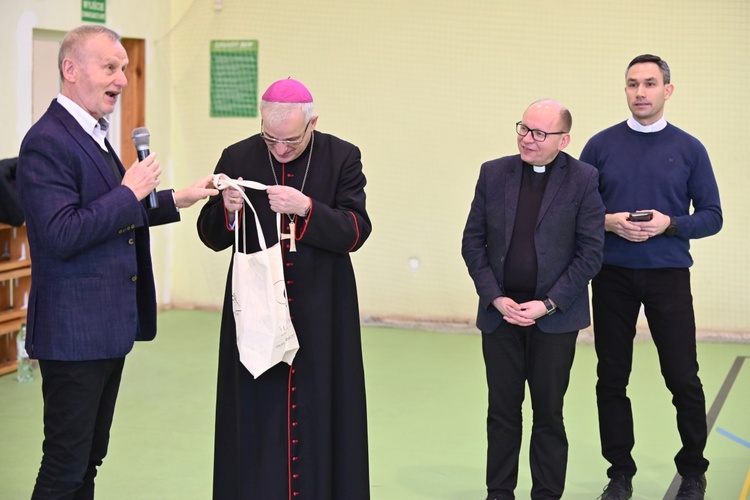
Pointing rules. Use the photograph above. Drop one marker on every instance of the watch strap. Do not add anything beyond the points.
(672, 228)
(549, 306)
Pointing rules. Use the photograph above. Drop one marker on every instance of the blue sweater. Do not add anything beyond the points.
(666, 171)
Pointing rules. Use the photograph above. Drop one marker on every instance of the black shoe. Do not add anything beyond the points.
(619, 488)
(692, 488)
(501, 496)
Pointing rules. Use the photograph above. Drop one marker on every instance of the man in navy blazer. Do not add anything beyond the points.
(532, 242)
(92, 289)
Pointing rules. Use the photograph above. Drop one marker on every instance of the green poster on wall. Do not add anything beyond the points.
(234, 78)
(94, 11)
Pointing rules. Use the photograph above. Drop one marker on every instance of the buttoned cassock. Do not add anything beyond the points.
(298, 432)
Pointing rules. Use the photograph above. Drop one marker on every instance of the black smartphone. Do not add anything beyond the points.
(640, 216)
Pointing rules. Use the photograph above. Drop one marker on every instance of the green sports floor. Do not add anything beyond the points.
(426, 405)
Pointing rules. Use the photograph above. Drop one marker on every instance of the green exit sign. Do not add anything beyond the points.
(94, 11)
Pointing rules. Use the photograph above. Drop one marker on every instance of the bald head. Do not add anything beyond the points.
(543, 132)
(552, 106)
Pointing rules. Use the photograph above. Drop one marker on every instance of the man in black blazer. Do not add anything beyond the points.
(92, 287)
(532, 242)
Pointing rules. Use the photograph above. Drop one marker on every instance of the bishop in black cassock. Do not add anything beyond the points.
(299, 431)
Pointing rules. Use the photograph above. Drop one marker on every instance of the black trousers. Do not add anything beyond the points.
(667, 301)
(513, 356)
(79, 403)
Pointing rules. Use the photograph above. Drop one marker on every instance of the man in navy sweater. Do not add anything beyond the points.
(651, 167)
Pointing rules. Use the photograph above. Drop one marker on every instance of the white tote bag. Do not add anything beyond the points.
(265, 334)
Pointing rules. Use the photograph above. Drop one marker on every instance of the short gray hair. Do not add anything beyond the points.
(72, 41)
(280, 111)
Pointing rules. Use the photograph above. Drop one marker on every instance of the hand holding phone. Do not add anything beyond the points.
(640, 216)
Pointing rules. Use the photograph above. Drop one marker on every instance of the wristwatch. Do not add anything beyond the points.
(550, 307)
(672, 228)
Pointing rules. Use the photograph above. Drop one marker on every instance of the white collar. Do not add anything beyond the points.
(85, 120)
(657, 126)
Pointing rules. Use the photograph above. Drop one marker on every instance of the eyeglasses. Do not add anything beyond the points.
(537, 135)
(286, 142)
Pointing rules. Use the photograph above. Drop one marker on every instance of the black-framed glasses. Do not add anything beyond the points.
(537, 135)
(286, 142)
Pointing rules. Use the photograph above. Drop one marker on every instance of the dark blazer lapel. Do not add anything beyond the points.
(556, 177)
(85, 140)
(512, 190)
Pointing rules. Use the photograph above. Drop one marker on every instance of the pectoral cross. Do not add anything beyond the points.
(291, 236)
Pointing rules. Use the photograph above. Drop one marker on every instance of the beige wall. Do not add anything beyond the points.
(428, 90)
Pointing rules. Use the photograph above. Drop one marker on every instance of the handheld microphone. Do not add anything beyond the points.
(141, 139)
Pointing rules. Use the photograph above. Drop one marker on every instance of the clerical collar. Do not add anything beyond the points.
(646, 129)
(538, 169)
